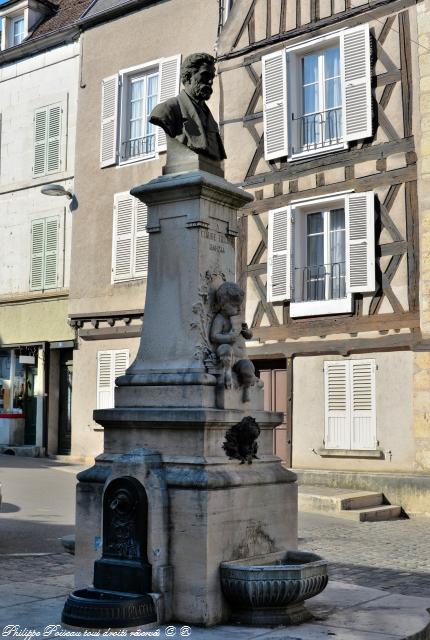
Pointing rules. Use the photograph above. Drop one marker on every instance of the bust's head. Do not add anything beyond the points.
(197, 75)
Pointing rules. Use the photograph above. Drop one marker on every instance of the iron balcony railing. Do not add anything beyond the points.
(318, 130)
(138, 147)
(320, 282)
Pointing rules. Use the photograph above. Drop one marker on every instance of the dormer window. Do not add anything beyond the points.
(17, 31)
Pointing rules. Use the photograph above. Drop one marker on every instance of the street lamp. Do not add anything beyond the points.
(56, 190)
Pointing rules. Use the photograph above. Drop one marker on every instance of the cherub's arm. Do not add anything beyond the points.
(246, 332)
(217, 335)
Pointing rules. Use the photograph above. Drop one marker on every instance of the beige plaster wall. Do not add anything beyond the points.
(87, 436)
(35, 321)
(393, 414)
(160, 30)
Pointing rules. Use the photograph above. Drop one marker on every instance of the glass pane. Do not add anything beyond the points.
(333, 124)
(337, 253)
(310, 69)
(332, 63)
(153, 85)
(137, 88)
(315, 223)
(333, 96)
(310, 98)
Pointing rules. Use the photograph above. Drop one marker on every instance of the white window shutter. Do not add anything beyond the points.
(53, 154)
(50, 270)
(363, 404)
(168, 88)
(122, 254)
(357, 90)
(141, 240)
(275, 110)
(337, 405)
(40, 134)
(109, 123)
(105, 380)
(120, 364)
(279, 262)
(360, 245)
(37, 253)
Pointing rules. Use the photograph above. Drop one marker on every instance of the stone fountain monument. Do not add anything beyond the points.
(188, 423)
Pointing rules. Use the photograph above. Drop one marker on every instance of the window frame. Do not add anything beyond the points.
(294, 56)
(14, 21)
(125, 78)
(303, 208)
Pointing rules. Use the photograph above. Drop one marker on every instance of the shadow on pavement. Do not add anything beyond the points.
(28, 536)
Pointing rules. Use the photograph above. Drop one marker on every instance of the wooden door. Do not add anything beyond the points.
(65, 405)
(275, 399)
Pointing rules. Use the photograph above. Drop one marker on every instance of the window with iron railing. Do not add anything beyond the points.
(138, 134)
(319, 124)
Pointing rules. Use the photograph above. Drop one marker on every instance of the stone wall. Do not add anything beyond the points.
(421, 375)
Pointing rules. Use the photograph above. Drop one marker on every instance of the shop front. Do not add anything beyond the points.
(21, 396)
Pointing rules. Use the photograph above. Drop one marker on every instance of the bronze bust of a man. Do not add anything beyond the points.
(187, 117)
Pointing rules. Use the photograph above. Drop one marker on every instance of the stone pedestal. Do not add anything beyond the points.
(217, 509)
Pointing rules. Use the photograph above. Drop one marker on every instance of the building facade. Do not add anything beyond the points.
(332, 127)
(116, 150)
(39, 76)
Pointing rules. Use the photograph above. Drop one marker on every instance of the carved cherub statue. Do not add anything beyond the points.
(228, 333)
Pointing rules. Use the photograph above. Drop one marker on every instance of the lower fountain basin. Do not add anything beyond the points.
(271, 589)
(94, 608)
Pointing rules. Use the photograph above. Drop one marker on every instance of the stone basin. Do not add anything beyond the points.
(271, 589)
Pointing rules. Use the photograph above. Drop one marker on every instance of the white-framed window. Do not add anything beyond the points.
(350, 404)
(17, 30)
(110, 365)
(320, 252)
(47, 137)
(128, 98)
(130, 238)
(45, 263)
(317, 96)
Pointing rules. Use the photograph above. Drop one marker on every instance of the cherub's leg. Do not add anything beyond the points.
(246, 374)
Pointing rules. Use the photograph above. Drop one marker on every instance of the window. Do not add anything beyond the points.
(130, 239)
(320, 124)
(350, 406)
(44, 272)
(47, 140)
(317, 96)
(141, 96)
(110, 366)
(320, 252)
(127, 101)
(17, 30)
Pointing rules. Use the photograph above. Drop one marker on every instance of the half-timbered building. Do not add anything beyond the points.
(323, 118)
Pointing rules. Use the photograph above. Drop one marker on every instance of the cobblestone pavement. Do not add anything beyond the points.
(392, 555)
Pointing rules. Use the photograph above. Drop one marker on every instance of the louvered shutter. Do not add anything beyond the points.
(357, 90)
(109, 123)
(123, 236)
(105, 398)
(363, 405)
(141, 240)
(279, 261)
(360, 245)
(168, 88)
(40, 133)
(37, 253)
(50, 270)
(53, 155)
(120, 364)
(275, 109)
(337, 405)
(110, 366)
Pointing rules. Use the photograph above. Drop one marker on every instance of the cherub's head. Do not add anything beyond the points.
(229, 298)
